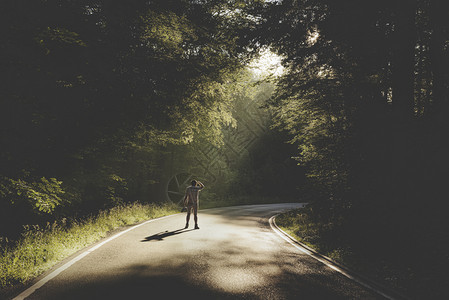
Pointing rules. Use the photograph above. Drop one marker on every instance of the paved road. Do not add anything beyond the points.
(235, 254)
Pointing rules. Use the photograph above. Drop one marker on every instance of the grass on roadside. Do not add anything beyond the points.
(41, 248)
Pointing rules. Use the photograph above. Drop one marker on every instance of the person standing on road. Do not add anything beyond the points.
(191, 201)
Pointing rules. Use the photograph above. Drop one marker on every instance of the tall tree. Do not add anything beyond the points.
(349, 96)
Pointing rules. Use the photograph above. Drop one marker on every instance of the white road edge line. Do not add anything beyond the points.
(290, 240)
(56, 272)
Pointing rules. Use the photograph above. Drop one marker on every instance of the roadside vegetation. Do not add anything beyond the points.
(40, 248)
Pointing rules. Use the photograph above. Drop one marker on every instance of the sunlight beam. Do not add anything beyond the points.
(267, 64)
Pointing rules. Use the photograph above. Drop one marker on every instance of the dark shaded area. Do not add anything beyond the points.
(169, 287)
(268, 172)
(136, 285)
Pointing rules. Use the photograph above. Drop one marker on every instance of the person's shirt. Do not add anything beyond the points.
(192, 193)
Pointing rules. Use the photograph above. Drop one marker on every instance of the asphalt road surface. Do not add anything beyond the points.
(234, 255)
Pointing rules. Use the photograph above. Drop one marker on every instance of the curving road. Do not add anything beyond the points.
(235, 254)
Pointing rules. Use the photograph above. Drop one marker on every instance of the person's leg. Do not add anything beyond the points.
(189, 208)
(195, 215)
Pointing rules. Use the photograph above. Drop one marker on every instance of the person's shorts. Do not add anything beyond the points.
(192, 206)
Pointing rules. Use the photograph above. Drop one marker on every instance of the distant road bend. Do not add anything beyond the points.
(234, 254)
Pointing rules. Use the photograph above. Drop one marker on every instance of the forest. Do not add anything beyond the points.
(104, 103)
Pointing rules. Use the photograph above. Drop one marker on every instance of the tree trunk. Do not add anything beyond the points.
(404, 42)
(403, 68)
(438, 10)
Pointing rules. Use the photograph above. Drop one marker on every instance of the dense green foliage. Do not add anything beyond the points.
(365, 99)
(94, 91)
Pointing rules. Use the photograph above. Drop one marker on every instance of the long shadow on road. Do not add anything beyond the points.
(161, 235)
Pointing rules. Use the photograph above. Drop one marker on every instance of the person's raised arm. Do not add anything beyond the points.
(201, 185)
